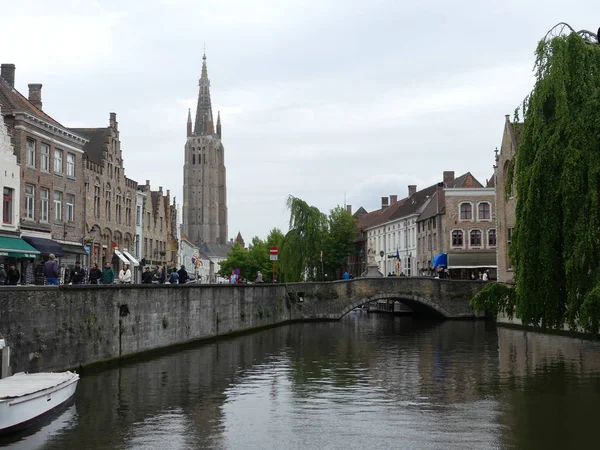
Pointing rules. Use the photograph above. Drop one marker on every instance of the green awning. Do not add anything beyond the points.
(472, 260)
(16, 248)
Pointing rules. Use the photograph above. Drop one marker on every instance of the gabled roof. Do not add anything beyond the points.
(215, 250)
(13, 101)
(466, 180)
(360, 212)
(491, 182)
(94, 149)
(380, 216)
(431, 208)
(239, 239)
(414, 203)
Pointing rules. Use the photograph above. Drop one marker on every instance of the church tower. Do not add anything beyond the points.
(204, 183)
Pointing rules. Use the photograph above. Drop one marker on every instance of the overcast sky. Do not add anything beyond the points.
(325, 100)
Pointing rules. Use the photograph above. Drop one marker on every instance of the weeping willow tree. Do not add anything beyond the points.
(556, 243)
(301, 249)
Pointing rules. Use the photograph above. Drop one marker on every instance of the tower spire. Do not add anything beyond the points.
(204, 117)
(219, 124)
(189, 122)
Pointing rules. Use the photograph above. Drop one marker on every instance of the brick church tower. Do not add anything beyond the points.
(204, 182)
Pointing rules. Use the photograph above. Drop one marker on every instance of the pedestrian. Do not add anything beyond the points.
(147, 276)
(259, 277)
(2, 274)
(125, 275)
(77, 274)
(12, 276)
(174, 277)
(233, 278)
(108, 275)
(485, 275)
(183, 275)
(346, 275)
(51, 270)
(95, 274)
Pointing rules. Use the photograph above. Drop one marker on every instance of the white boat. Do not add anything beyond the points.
(26, 397)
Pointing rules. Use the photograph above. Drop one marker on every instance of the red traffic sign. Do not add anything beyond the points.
(274, 251)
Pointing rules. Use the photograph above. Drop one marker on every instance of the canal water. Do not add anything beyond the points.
(368, 381)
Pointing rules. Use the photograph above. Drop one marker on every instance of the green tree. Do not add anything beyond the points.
(238, 258)
(556, 243)
(337, 246)
(301, 248)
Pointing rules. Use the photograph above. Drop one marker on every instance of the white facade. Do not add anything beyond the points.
(398, 236)
(10, 182)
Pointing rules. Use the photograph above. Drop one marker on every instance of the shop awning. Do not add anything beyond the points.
(76, 249)
(472, 260)
(44, 246)
(440, 260)
(131, 258)
(121, 257)
(16, 248)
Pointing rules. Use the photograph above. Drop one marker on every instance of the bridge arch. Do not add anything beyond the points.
(419, 304)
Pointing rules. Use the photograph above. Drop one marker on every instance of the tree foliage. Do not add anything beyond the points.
(312, 232)
(556, 243)
(253, 259)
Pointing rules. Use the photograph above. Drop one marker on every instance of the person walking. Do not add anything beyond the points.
(95, 274)
(12, 276)
(51, 270)
(77, 273)
(174, 276)
(125, 275)
(108, 275)
(2, 274)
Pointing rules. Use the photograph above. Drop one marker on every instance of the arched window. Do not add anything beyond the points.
(457, 238)
(466, 211)
(475, 238)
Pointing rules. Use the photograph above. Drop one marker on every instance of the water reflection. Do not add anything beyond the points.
(367, 381)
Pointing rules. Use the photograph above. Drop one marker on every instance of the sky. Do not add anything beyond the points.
(332, 101)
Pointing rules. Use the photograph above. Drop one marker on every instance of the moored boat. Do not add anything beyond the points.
(26, 397)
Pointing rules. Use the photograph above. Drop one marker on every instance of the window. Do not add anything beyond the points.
(29, 201)
(58, 154)
(97, 202)
(31, 152)
(475, 238)
(457, 238)
(107, 209)
(70, 201)
(70, 165)
(148, 217)
(429, 243)
(510, 233)
(138, 216)
(137, 245)
(492, 238)
(508, 240)
(434, 240)
(57, 206)
(44, 197)
(109, 171)
(434, 222)
(128, 212)
(7, 205)
(118, 209)
(466, 212)
(45, 157)
(484, 211)
(146, 247)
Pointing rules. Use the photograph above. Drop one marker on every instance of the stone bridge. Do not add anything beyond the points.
(424, 295)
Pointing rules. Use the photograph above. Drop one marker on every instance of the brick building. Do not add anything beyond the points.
(51, 189)
(156, 223)
(506, 202)
(110, 196)
(459, 221)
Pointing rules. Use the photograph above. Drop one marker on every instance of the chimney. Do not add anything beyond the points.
(412, 189)
(349, 209)
(384, 202)
(35, 94)
(160, 189)
(113, 120)
(441, 197)
(7, 71)
(393, 199)
(448, 177)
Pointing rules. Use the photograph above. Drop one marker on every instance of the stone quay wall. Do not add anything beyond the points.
(55, 328)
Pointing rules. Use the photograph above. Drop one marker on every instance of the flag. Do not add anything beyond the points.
(397, 262)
